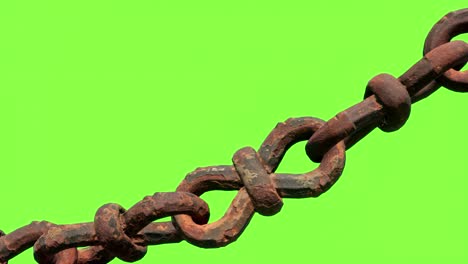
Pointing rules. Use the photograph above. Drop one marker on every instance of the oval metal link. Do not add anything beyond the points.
(227, 229)
(257, 181)
(451, 25)
(392, 94)
(234, 221)
(108, 224)
(309, 184)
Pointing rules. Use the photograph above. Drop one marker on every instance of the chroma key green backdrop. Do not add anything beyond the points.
(110, 101)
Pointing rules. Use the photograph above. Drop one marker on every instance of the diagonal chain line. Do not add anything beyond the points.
(126, 233)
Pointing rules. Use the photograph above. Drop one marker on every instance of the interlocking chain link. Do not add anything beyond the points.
(125, 234)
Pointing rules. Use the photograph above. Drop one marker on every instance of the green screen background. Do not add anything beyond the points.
(110, 101)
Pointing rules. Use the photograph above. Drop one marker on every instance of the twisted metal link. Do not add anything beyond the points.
(125, 234)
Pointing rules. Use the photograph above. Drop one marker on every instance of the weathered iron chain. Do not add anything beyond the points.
(116, 232)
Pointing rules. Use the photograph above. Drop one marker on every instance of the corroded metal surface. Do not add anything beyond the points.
(125, 234)
(388, 108)
(449, 26)
(230, 226)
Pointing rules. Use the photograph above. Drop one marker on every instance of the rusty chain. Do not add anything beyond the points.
(125, 234)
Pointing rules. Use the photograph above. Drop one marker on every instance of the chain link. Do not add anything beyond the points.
(125, 234)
